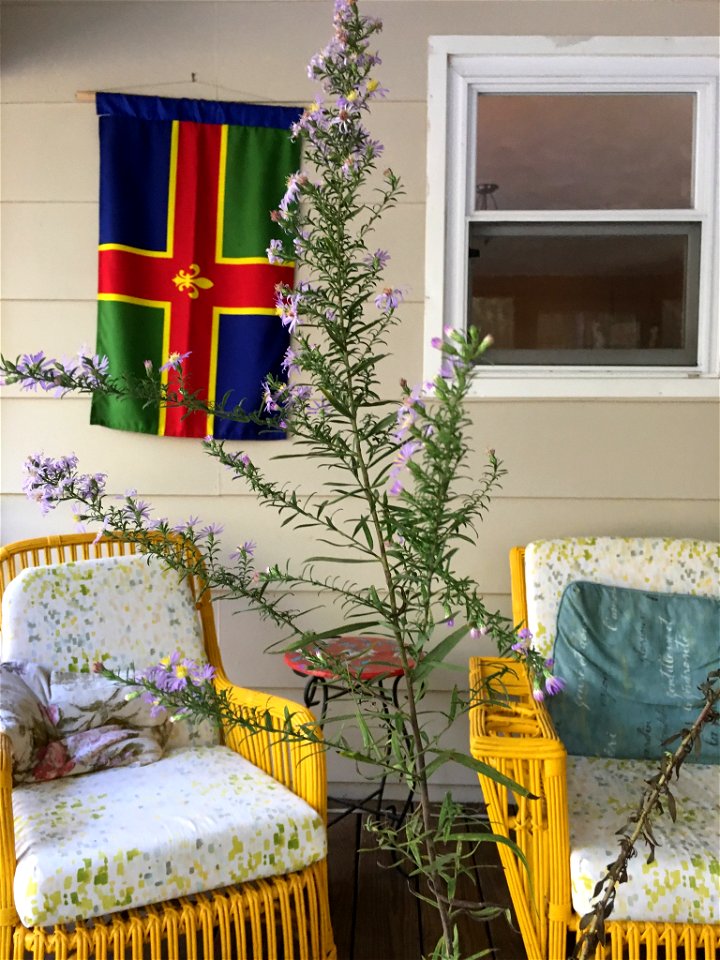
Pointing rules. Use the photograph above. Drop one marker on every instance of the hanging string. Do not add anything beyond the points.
(87, 96)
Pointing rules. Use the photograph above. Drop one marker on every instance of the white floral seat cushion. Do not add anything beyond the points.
(200, 818)
(122, 610)
(659, 564)
(683, 884)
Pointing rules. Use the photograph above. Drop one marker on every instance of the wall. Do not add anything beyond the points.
(575, 467)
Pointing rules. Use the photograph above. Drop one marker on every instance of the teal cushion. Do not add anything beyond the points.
(632, 661)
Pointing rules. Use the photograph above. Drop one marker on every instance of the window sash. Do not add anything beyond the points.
(685, 356)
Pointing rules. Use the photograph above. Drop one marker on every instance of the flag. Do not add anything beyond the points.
(186, 190)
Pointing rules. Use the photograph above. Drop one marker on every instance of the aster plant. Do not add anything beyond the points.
(398, 496)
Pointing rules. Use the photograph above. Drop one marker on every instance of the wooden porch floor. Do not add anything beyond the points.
(391, 923)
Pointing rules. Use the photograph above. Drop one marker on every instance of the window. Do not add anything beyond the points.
(573, 184)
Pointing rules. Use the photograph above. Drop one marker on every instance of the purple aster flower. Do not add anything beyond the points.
(274, 252)
(202, 673)
(373, 149)
(521, 646)
(396, 489)
(289, 361)
(373, 89)
(300, 242)
(91, 368)
(405, 454)
(436, 343)
(554, 685)
(378, 260)
(140, 509)
(32, 365)
(269, 399)
(188, 526)
(538, 694)
(211, 530)
(175, 361)
(287, 308)
(318, 408)
(389, 299)
(447, 368)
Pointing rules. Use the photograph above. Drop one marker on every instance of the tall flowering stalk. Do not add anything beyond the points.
(399, 497)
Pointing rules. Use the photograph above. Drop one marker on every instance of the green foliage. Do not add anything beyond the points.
(395, 490)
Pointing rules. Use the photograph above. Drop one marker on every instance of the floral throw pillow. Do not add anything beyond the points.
(98, 749)
(22, 716)
(63, 723)
(85, 701)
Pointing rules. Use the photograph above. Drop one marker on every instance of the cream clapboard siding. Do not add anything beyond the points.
(575, 467)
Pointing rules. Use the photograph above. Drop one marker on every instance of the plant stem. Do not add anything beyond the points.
(420, 774)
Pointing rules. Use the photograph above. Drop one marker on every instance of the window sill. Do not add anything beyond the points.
(600, 384)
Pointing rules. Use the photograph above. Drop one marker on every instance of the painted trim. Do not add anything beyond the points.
(457, 66)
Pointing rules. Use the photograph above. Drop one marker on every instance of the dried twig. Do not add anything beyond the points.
(592, 925)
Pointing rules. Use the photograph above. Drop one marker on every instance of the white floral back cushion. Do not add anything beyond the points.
(200, 818)
(121, 610)
(659, 564)
(683, 884)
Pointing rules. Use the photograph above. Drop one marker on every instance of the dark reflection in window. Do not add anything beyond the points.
(592, 151)
(612, 294)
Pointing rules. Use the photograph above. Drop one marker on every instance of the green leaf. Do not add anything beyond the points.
(478, 766)
(342, 630)
(439, 652)
(338, 560)
(363, 525)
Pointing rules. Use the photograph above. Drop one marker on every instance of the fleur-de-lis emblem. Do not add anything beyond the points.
(191, 281)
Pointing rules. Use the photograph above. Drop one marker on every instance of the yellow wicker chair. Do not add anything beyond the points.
(518, 738)
(265, 919)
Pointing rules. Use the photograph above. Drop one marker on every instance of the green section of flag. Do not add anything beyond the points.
(258, 161)
(129, 334)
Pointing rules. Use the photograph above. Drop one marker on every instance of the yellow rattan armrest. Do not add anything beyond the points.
(299, 766)
(505, 717)
(513, 733)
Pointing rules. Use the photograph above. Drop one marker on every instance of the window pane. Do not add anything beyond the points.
(584, 151)
(609, 294)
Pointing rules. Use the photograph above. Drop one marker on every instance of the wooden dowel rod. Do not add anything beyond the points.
(85, 96)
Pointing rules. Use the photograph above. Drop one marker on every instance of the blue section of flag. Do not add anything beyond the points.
(249, 347)
(134, 176)
(199, 111)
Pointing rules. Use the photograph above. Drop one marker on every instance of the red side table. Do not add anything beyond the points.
(371, 659)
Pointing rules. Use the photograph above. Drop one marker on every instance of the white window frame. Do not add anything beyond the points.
(459, 68)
